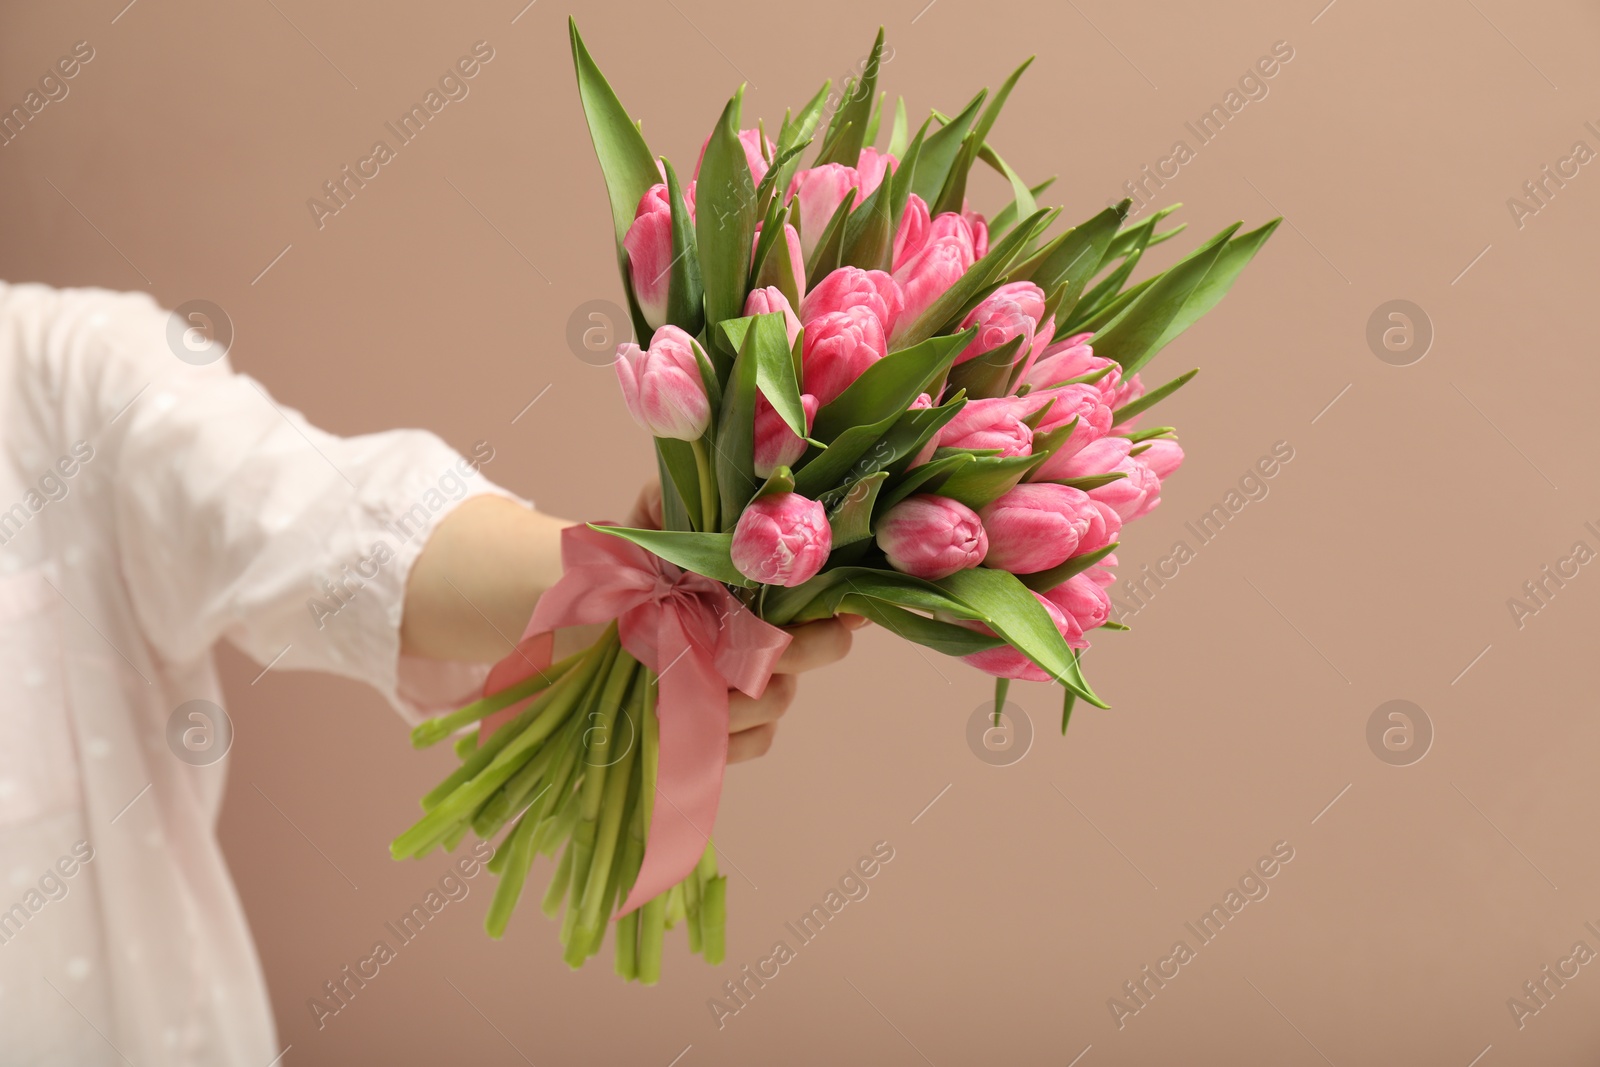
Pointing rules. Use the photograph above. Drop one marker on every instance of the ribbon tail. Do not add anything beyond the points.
(692, 706)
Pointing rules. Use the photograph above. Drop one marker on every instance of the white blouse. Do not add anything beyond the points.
(151, 505)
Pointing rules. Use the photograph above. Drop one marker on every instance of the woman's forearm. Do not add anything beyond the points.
(475, 584)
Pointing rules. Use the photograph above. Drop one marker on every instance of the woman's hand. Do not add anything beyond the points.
(753, 721)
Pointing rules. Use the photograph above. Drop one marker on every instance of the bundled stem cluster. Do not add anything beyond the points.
(573, 772)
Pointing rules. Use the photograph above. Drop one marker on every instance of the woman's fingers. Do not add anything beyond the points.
(753, 721)
(816, 644)
(748, 744)
(745, 713)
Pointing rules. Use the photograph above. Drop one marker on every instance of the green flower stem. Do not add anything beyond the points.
(618, 781)
(559, 702)
(581, 929)
(519, 844)
(714, 920)
(691, 908)
(618, 789)
(675, 911)
(709, 505)
(513, 796)
(438, 728)
(652, 936)
(466, 745)
(485, 753)
(557, 824)
(557, 891)
(628, 945)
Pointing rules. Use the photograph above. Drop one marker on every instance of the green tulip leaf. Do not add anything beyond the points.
(702, 553)
(889, 385)
(1011, 610)
(725, 207)
(625, 160)
(685, 296)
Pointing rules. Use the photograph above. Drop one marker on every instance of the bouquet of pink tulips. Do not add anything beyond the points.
(865, 398)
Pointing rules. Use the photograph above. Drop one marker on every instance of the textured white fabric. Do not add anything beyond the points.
(148, 509)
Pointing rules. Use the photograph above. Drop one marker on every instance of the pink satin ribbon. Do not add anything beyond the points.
(698, 638)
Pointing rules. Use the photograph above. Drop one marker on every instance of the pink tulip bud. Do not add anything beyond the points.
(662, 386)
(821, 190)
(980, 233)
(752, 143)
(1163, 457)
(775, 444)
(1121, 394)
(925, 453)
(649, 246)
(1103, 573)
(769, 300)
(991, 424)
(1094, 458)
(1104, 527)
(1041, 341)
(781, 539)
(849, 287)
(872, 166)
(791, 247)
(951, 224)
(913, 231)
(925, 276)
(1071, 358)
(1011, 311)
(1035, 526)
(1005, 661)
(931, 537)
(1081, 402)
(1132, 496)
(1082, 601)
(838, 347)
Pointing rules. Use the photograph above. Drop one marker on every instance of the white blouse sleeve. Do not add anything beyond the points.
(237, 518)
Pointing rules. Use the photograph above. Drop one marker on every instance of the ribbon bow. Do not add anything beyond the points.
(697, 637)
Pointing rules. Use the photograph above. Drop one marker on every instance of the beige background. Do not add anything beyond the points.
(1377, 568)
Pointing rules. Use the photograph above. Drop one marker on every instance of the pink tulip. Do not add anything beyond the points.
(1163, 457)
(791, 247)
(991, 424)
(849, 287)
(1104, 527)
(925, 276)
(1081, 402)
(1084, 603)
(662, 386)
(775, 444)
(769, 300)
(821, 190)
(925, 453)
(1011, 311)
(649, 246)
(1035, 526)
(1121, 394)
(752, 143)
(1005, 661)
(931, 537)
(1132, 496)
(1094, 458)
(913, 232)
(781, 539)
(872, 166)
(1103, 573)
(980, 232)
(1073, 358)
(837, 348)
